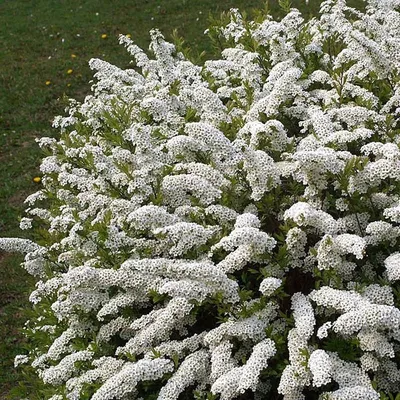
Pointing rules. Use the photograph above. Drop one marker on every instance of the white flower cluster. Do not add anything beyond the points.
(239, 379)
(269, 285)
(353, 382)
(230, 229)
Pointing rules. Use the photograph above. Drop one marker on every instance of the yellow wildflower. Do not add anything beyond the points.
(104, 36)
(48, 83)
(70, 71)
(37, 179)
(128, 35)
(73, 55)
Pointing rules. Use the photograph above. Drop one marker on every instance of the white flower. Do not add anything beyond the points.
(304, 215)
(237, 380)
(320, 367)
(125, 381)
(269, 285)
(18, 245)
(193, 369)
(20, 359)
(392, 264)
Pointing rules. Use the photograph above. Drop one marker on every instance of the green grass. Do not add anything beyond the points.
(38, 39)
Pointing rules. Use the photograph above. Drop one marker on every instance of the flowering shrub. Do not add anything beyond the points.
(226, 231)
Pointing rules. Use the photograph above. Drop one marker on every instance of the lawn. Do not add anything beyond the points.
(45, 49)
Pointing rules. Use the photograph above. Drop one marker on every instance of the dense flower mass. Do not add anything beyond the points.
(228, 230)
